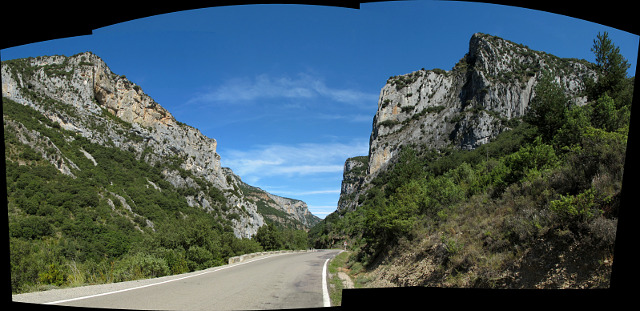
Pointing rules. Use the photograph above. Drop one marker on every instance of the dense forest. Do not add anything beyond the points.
(552, 182)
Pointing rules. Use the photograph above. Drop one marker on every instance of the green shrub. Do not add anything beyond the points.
(389, 123)
(537, 156)
(604, 114)
(199, 258)
(139, 266)
(53, 275)
(581, 207)
(175, 259)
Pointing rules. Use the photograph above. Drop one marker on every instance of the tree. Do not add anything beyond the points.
(269, 237)
(578, 118)
(613, 67)
(548, 109)
(604, 114)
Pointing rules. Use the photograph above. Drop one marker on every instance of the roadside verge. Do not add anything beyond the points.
(338, 279)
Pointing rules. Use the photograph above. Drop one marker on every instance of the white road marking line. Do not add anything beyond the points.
(325, 292)
(154, 284)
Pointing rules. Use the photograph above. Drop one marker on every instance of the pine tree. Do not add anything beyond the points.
(613, 66)
(548, 109)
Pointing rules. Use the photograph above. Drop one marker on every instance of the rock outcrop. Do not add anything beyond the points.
(464, 107)
(81, 94)
(353, 176)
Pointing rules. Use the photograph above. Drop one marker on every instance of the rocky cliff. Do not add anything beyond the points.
(464, 107)
(81, 94)
(354, 173)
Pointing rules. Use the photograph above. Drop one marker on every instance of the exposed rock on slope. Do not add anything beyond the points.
(461, 108)
(288, 212)
(81, 94)
(355, 171)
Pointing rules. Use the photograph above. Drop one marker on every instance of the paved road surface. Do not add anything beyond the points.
(290, 280)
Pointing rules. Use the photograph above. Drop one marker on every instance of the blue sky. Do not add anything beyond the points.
(290, 91)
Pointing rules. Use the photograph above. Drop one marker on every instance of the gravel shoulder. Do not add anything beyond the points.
(346, 280)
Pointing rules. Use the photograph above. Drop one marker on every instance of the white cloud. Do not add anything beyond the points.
(311, 192)
(291, 160)
(322, 211)
(302, 86)
(308, 172)
(355, 118)
(307, 169)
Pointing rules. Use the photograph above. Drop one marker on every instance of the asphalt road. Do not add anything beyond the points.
(280, 281)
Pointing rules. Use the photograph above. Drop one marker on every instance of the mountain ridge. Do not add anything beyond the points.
(505, 172)
(465, 107)
(81, 94)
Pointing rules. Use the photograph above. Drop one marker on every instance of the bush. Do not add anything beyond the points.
(538, 156)
(53, 275)
(150, 266)
(32, 227)
(199, 258)
(441, 192)
(269, 237)
(604, 114)
(582, 207)
(578, 118)
(139, 266)
(175, 259)
(600, 153)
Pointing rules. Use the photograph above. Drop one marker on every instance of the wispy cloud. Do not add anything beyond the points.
(355, 118)
(306, 193)
(263, 86)
(322, 211)
(291, 160)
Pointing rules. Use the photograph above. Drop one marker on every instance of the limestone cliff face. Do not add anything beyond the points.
(353, 176)
(83, 95)
(466, 106)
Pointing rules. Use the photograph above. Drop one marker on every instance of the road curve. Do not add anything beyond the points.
(279, 281)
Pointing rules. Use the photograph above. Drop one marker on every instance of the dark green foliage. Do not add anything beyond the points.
(389, 123)
(604, 114)
(613, 66)
(391, 218)
(570, 133)
(435, 109)
(534, 157)
(548, 109)
(30, 227)
(565, 186)
(271, 238)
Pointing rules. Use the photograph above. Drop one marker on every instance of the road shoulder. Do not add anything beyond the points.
(338, 278)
